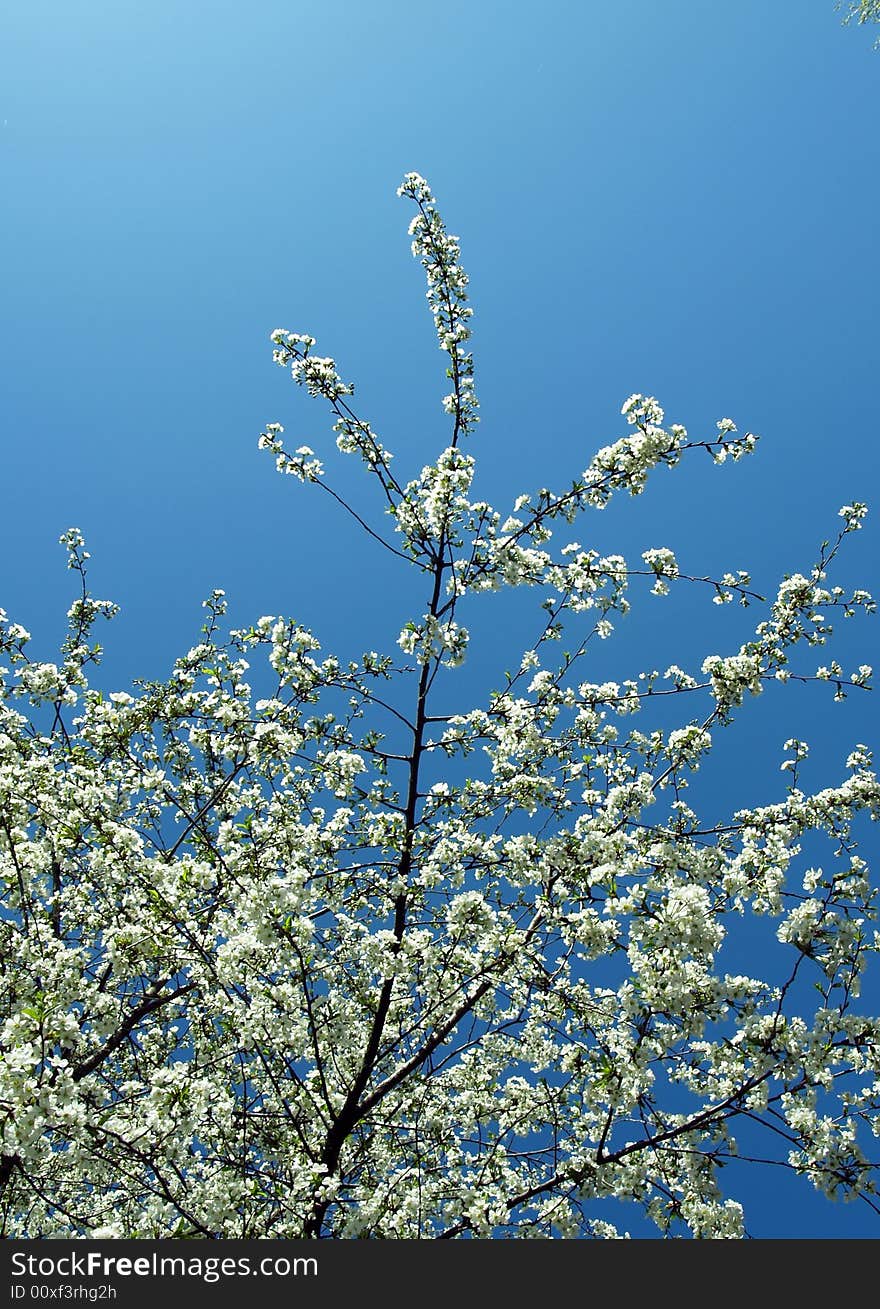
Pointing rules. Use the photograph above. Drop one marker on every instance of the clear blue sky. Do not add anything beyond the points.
(678, 199)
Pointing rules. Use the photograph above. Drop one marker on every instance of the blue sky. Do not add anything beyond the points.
(677, 199)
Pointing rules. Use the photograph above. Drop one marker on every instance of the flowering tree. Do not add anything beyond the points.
(339, 961)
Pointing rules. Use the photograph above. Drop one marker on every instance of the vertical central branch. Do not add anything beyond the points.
(350, 1112)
